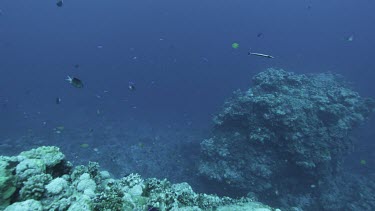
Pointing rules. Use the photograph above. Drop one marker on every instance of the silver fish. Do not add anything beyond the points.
(261, 55)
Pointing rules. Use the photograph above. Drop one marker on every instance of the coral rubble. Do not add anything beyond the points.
(40, 179)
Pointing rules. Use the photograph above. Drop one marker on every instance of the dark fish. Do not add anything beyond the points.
(58, 100)
(59, 3)
(77, 83)
(260, 34)
(76, 66)
(131, 86)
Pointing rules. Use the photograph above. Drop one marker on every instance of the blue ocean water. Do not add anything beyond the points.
(180, 58)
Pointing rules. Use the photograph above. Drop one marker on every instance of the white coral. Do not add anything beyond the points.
(56, 186)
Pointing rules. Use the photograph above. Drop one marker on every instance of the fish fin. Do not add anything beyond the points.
(249, 52)
(69, 79)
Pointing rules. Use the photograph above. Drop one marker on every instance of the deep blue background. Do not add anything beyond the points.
(177, 52)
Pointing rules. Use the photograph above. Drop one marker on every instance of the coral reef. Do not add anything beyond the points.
(288, 134)
(40, 179)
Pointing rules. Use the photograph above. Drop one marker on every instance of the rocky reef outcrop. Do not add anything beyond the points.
(285, 136)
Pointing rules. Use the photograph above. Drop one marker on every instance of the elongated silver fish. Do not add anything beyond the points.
(261, 55)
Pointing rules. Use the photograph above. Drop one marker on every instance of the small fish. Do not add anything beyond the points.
(235, 45)
(261, 55)
(59, 3)
(77, 83)
(131, 86)
(84, 145)
(151, 208)
(76, 66)
(59, 129)
(350, 38)
(260, 34)
(58, 100)
(4, 102)
(204, 59)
